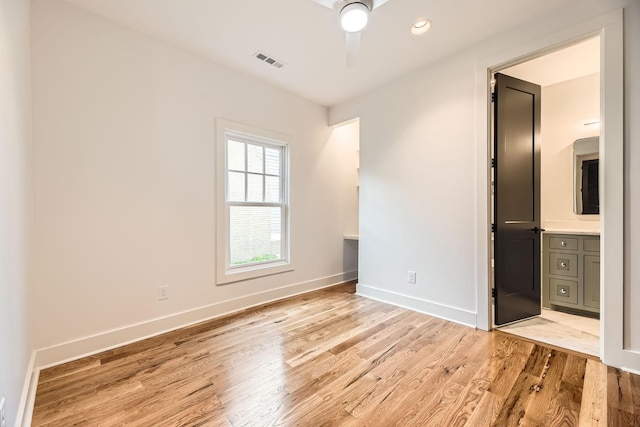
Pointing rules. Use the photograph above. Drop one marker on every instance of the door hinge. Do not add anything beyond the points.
(493, 292)
(493, 97)
(493, 163)
(493, 228)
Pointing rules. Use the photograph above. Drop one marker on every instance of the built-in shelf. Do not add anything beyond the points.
(350, 237)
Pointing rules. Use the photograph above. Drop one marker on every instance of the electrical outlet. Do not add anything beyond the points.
(163, 292)
(411, 277)
(3, 415)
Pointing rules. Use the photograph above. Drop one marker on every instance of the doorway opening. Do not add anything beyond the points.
(570, 244)
(347, 135)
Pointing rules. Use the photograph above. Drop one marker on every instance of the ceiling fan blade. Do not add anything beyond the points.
(353, 46)
(377, 3)
(331, 4)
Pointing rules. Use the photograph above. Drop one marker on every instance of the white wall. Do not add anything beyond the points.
(15, 194)
(417, 191)
(566, 107)
(632, 176)
(419, 180)
(124, 179)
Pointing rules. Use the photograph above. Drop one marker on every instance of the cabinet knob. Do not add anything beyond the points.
(563, 291)
(563, 243)
(563, 264)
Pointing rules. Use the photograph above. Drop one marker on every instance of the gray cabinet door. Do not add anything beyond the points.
(592, 281)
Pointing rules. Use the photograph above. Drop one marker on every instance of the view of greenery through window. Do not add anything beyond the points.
(254, 196)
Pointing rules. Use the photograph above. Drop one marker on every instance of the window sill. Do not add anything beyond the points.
(252, 272)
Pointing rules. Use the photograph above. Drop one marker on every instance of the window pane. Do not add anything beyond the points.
(272, 161)
(235, 155)
(272, 189)
(254, 188)
(255, 158)
(255, 234)
(236, 187)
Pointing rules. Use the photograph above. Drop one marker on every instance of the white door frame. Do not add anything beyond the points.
(610, 29)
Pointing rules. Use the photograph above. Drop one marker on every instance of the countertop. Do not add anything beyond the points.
(580, 232)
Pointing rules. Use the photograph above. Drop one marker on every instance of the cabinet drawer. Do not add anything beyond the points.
(591, 245)
(568, 243)
(563, 264)
(565, 291)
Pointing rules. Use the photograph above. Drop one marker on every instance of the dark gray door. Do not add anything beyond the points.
(516, 199)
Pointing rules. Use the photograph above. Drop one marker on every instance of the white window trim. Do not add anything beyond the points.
(224, 273)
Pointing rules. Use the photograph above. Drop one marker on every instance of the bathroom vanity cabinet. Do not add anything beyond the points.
(571, 271)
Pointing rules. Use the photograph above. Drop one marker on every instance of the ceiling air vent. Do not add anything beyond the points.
(269, 60)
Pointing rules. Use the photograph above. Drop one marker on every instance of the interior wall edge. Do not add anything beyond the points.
(86, 346)
(16, 205)
(442, 311)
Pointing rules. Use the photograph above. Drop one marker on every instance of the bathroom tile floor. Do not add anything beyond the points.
(577, 333)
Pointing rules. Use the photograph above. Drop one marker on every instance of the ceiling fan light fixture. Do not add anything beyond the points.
(354, 17)
(421, 26)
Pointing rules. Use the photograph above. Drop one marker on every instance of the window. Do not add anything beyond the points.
(253, 206)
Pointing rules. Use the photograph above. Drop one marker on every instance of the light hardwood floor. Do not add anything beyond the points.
(333, 358)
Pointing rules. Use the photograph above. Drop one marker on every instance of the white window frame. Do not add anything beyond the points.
(225, 272)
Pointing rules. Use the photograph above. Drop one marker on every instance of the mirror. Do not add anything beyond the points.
(586, 200)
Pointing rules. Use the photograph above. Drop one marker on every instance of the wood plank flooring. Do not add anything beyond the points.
(331, 358)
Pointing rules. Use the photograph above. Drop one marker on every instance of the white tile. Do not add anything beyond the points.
(562, 330)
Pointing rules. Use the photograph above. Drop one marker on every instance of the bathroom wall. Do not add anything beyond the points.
(567, 108)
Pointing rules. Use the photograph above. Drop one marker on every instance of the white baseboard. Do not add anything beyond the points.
(631, 362)
(454, 314)
(28, 397)
(631, 370)
(97, 343)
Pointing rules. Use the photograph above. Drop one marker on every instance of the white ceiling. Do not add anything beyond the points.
(307, 36)
(575, 61)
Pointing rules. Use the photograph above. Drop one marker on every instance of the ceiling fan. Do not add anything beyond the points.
(354, 15)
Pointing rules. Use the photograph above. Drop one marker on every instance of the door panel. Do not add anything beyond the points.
(516, 147)
(518, 269)
(516, 199)
(592, 281)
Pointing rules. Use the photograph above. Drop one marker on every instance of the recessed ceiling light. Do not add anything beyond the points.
(421, 26)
